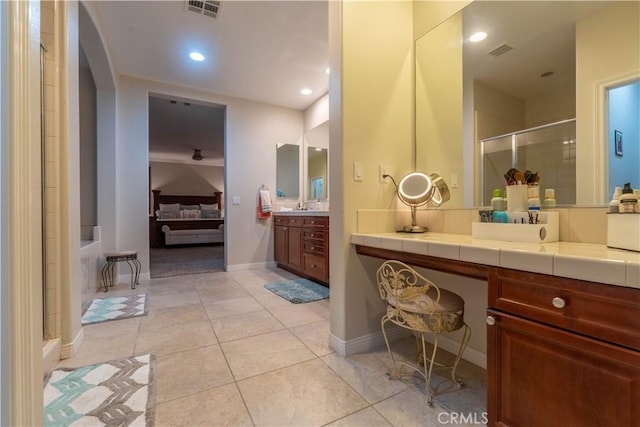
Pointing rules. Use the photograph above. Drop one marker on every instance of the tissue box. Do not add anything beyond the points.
(545, 232)
(623, 231)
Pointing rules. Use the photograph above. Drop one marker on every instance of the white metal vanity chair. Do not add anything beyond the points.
(415, 303)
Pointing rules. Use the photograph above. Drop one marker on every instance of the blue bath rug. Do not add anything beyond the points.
(299, 291)
(116, 308)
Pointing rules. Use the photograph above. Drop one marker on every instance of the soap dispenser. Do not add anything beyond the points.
(628, 200)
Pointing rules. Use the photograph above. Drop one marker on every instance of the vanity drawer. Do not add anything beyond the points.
(294, 221)
(281, 220)
(315, 266)
(606, 312)
(314, 235)
(316, 221)
(313, 248)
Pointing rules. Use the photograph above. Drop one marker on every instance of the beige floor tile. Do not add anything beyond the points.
(175, 338)
(232, 306)
(101, 350)
(366, 374)
(170, 287)
(245, 325)
(299, 314)
(315, 336)
(262, 353)
(410, 408)
(222, 292)
(221, 406)
(162, 318)
(271, 300)
(213, 281)
(365, 417)
(308, 393)
(192, 371)
(173, 299)
(112, 328)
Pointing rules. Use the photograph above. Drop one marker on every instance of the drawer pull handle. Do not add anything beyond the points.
(313, 248)
(313, 222)
(313, 266)
(491, 320)
(313, 235)
(558, 302)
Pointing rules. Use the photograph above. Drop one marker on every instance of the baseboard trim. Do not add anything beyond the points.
(50, 355)
(71, 349)
(251, 266)
(376, 340)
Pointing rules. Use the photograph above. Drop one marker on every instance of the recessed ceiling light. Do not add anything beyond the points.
(478, 37)
(306, 91)
(327, 70)
(196, 56)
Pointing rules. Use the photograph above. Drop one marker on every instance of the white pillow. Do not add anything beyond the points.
(205, 207)
(169, 206)
(190, 213)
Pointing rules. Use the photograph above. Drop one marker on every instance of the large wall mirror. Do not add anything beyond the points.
(316, 142)
(535, 93)
(288, 171)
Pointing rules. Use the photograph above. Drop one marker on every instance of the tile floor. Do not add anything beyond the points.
(230, 352)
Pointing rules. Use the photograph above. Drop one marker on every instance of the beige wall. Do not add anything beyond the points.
(607, 53)
(371, 44)
(88, 154)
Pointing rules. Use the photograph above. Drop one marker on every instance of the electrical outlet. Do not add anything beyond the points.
(384, 170)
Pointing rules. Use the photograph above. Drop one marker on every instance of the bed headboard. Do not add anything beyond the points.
(185, 200)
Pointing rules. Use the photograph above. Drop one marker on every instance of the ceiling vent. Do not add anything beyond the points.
(500, 50)
(197, 154)
(204, 7)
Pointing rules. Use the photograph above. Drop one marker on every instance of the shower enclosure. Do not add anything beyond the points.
(549, 150)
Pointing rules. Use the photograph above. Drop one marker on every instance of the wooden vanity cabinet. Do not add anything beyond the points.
(301, 245)
(561, 352)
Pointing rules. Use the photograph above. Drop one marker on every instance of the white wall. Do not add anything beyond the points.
(186, 178)
(252, 132)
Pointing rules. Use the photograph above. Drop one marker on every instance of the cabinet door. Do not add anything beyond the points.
(281, 244)
(295, 248)
(544, 376)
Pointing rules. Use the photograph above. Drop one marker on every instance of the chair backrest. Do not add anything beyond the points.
(405, 289)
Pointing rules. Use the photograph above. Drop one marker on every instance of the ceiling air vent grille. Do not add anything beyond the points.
(500, 50)
(205, 7)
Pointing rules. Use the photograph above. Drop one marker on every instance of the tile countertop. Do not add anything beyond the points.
(302, 213)
(584, 261)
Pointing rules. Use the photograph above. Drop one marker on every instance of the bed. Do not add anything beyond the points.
(184, 226)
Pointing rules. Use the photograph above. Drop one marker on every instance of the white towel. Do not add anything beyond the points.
(265, 201)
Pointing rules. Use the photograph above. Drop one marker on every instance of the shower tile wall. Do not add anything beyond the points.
(47, 29)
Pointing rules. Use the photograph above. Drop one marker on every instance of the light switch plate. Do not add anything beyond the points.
(358, 171)
(235, 200)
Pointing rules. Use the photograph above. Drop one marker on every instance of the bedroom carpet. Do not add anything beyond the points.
(182, 260)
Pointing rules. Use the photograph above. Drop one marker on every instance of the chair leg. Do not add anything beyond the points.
(386, 341)
(463, 346)
(428, 370)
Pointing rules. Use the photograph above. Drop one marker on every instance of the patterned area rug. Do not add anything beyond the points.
(299, 291)
(105, 309)
(117, 393)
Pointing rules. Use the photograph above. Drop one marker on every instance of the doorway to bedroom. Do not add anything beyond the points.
(186, 180)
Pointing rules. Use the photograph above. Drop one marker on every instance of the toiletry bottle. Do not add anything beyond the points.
(497, 203)
(549, 201)
(628, 200)
(614, 204)
(499, 217)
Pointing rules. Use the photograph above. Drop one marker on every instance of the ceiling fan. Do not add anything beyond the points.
(197, 154)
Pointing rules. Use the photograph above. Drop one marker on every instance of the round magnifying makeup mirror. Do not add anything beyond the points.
(418, 189)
